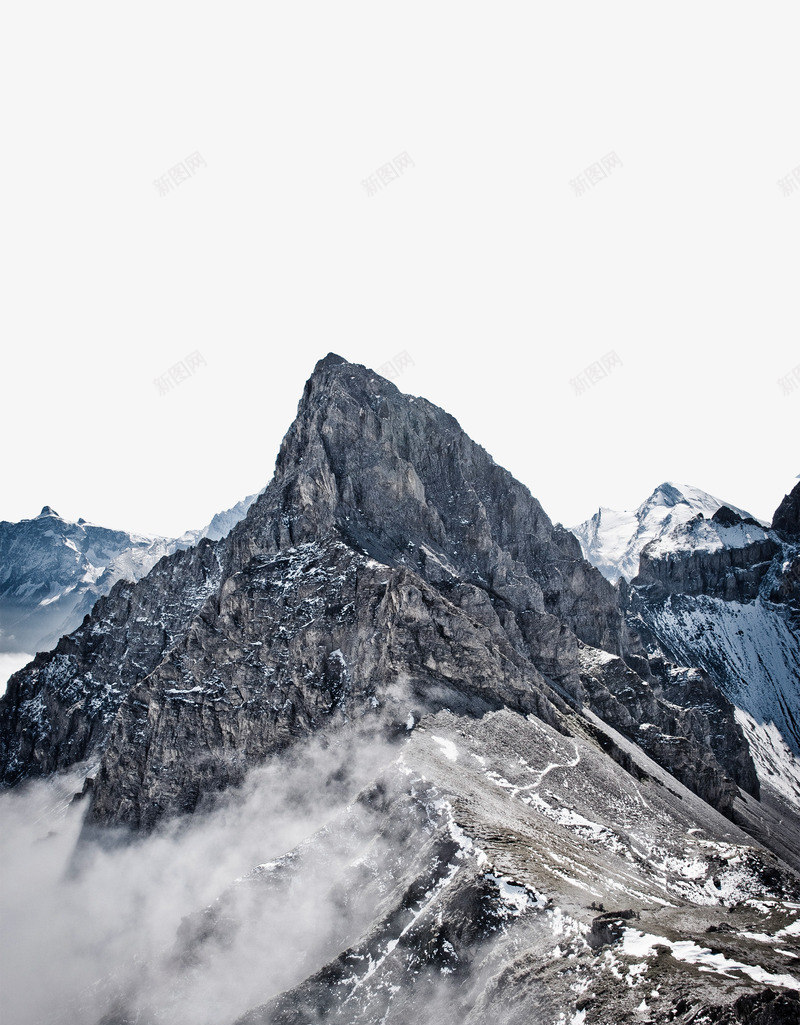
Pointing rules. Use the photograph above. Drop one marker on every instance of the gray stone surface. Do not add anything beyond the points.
(388, 551)
(787, 516)
(556, 824)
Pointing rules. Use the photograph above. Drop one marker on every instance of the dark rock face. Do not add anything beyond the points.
(58, 710)
(767, 1008)
(731, 573)
(680, 718)
(730, 518)
(701, 710)
(783, 585)
(608, 927)
(304, 639)
(787, 516)
(389, 555)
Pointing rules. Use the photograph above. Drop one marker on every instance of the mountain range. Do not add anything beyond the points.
(393, 749)
(53, 570)
(714, 588)
(612, 540)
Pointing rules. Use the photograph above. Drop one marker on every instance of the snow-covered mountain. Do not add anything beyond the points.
(724, 594)
(53, 570)
(612, 539)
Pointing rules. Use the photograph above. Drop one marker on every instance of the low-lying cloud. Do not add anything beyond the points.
(83, 935)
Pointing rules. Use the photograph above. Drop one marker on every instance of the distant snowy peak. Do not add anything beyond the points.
(607, 542)
(52, 570)
(711, 535)
(221, 524)
(612, 540)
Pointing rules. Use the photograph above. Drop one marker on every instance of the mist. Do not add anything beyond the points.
(10, 662)
(90, 928)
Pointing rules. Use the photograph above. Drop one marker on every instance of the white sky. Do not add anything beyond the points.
(479, 261)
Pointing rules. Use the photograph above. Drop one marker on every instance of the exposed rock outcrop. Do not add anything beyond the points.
(726, 557)
(389, 555)
(787, 516)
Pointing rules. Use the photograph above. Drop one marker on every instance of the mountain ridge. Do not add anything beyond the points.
(53, 570)
(473, 785)
(724, 594)
(613, 542)
(363, 471)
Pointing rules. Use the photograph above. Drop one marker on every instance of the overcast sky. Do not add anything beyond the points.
(480, 260)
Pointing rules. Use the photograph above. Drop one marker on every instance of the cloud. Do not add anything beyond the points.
(83, 933)
(10, 662)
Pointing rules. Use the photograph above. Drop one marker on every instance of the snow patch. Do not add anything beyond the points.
(639, 944)
(449, 749)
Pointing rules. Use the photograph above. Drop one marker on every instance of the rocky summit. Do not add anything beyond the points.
(477, 781)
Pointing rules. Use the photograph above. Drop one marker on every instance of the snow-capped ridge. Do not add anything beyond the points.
(721, 594)
(707, 534)
(612, 540)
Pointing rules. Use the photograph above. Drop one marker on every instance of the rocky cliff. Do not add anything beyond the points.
(724, 595)
(726, 556)
(787, 516)
(389, 751)
(388, 555)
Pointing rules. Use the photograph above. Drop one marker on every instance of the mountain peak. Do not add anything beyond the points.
(48, 511)
(335, 380)
(333, 359)
(668, 495)
(398, 478)
(612, 540)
